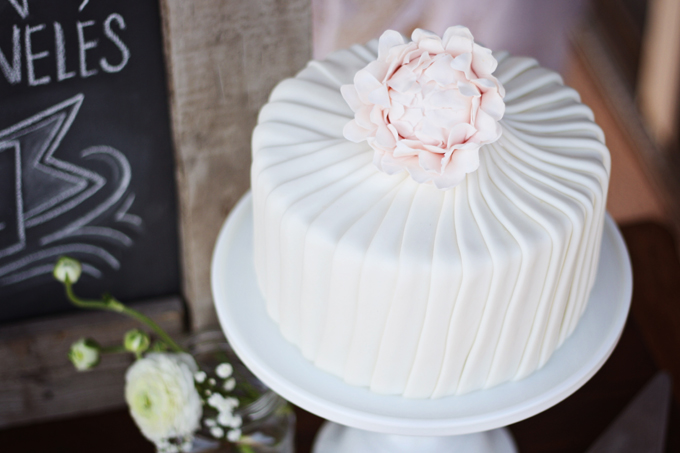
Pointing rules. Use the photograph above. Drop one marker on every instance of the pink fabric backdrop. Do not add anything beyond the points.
(537, 28)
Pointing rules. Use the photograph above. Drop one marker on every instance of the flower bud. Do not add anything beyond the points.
(84, 354)
(224, 370)
(67, 268)
(136, 341)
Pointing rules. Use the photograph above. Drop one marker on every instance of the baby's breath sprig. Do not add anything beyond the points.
(219, 402)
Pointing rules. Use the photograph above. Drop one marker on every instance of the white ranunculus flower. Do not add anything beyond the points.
(159, 389)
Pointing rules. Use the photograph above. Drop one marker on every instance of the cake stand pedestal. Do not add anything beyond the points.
(379, 423)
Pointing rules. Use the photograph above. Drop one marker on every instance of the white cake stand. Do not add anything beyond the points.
(379, 423)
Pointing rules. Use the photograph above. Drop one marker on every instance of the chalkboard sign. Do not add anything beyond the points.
(86, 162)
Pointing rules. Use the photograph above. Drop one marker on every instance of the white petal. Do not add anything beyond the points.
(460, 133)
(363, 117)
(493, 104)
(380, 97)
(457, 40)
(440, 70)
(389, 39)
(384, 137)
(417, 172)
(404, 150)
(483, 61)
(443, 118)
(488, 129)
(365, 83)
(390, 165)
(463, 63)
(350, 95)
(355, 133)
(465, 159)
(403, 80)
(419, 35)
(430, 162)
(378, 69)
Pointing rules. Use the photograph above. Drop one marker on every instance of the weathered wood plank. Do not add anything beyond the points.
(223, 57)
(660, 169)
(38, 380)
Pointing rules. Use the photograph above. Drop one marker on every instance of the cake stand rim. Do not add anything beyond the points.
(315, 403)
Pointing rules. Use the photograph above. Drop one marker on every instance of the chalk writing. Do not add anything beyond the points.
(125, 52)
(22, 8)
(13, 73)
(60, 49)
(84, 45)
(88, 39)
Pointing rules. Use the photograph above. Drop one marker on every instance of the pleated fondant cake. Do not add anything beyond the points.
(423, 279)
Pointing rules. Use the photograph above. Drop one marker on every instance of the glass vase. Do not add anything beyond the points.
(268, 421)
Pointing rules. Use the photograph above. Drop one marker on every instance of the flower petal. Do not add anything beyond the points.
(457, 40)
(440, 70)
(488, 129)
(463, 63)
(350, 95)
(430, 162)
(387, 40)
(384, 137)
(417, 172)
(460, 133)
(468, 89)
(493, 104)
(355, 133)
(407, 148)
(483, 62)
(380, 96)
(365, 83)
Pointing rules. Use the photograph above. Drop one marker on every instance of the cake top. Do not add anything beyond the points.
(427, 105)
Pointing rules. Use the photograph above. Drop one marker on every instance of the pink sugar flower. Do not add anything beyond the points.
(427, 106)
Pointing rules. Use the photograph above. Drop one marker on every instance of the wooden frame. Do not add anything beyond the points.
(37, 380)
(223, 58)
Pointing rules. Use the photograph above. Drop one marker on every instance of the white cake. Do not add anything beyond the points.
(408, 289)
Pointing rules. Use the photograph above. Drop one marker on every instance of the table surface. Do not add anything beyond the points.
(650, 341)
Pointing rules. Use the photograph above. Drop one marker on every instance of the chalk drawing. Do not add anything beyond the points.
(108, 234)
(49, 181)
(47, 187)
(18, 202)
(22, 8)
(83, 5)
(113, 156)
(42, 270)
(123, 216)
(2, 226)
(88, 249)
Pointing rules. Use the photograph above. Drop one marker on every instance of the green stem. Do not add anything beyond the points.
(112, 304)
(112, 349)
(245, 448)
